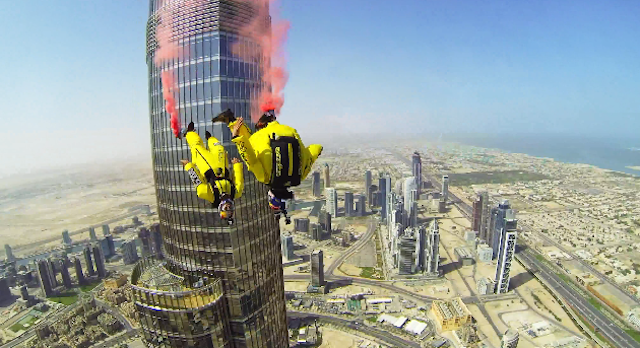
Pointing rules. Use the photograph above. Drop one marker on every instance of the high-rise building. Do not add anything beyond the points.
(367, 182)
(92, 234)
(64, 272)
(5, 291)
(9, 253)
(111, 244)
(325, 221)
(348, 204)
(384, 188)
(301, 225)
(66, 239)
(88, 260)
(332, 201)
(445, 187)
(317, 268)
(157, 241)
(361, 207)
(98, 257)
(106, 249)
(416, 170)
(145, 240)
(286, 245)
(506, 250)
(409, 186)
(510, 339)
(129, 252)
(105, 230)
(433, 249)
(315, 232)
(372, 196)
(78, 268)
(411, 251)
(47, 277)
(477, 213)
(497, 223)
(224, 284)
(315, 184)
(325, 174)
(485, 216)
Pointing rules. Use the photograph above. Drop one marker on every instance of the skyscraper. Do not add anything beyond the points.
(332, 201)
(156, 241)
(111, 244)
(484, 218)
(105, 230)
(98, 257)
(78, 268)
(92, 234)
(66, 239)
(5, 291)
(287, 247)
(384, 184)
(477, 213)
(498, 222)
(9, 253)
(145, 240)
(317, 268)
(432, 262)
(88, 260)
(326, 177)
(506, 250)
(301, 224)
(315, 184)
(361, 207)
(64, 271)
(129, 252)
(416, 170)
(409, 186)
(47, 277)
(367, 182)
(224, 284)
(445, 187)
(348, 204)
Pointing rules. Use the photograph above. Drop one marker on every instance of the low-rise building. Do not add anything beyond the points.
(587, 279)
(451, 314)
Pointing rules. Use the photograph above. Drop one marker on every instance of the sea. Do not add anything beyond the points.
(614, 153)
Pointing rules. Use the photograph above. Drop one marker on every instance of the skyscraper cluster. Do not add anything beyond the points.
(412, 248)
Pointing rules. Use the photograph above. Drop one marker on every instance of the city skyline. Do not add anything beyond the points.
(546, 67)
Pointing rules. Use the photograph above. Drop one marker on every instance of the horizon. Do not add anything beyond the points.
(445, 68)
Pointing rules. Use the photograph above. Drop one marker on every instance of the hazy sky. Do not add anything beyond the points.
(74, 73)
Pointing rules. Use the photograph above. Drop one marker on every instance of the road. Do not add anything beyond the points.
(606, 327)
(383, 336)
(352, 250)
(585, 264)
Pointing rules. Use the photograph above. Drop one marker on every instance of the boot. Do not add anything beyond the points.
(190, 128)
(226, 116)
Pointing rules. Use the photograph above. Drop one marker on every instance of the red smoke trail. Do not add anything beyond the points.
(168, 51)
(270, 56)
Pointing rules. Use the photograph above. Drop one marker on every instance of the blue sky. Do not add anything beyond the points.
(74, 74)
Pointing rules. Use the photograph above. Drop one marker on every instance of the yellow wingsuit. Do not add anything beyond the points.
(255, 149)
(216, 160)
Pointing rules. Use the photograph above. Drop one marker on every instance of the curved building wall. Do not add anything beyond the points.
(245, 257)
(182, 318)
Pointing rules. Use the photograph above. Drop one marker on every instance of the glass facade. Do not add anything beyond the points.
(200, 248)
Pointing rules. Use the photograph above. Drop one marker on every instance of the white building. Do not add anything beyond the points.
(485, 253)
(332, 201)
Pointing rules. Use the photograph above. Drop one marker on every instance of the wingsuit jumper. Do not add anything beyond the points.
(209, 173)
(274, 153)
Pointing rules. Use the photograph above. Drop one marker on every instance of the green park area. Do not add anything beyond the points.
(90, 286)
(25, 323)
(479, 178)
(67, 298)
